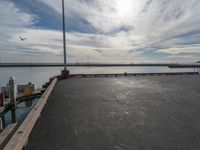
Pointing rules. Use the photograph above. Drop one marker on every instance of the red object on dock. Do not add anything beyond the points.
(1, 99)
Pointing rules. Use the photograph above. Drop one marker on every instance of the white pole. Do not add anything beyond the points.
(13, 91)
(64, 41)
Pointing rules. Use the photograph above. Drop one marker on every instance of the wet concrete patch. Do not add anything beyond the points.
(124, 113)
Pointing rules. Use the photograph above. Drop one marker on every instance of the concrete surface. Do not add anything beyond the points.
(123, 113)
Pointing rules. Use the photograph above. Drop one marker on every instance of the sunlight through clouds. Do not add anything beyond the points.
(114, 30)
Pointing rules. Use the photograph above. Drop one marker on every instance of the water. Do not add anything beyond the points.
(40, 75)
(17, 114)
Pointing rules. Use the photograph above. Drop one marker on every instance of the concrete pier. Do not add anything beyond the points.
(121, 113)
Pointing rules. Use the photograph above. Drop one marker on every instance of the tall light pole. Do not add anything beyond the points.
(65, 72)
(64, 39)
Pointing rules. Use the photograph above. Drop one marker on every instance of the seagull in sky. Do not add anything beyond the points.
(22, 39)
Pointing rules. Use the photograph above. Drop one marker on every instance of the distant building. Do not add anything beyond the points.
(2, 97)
(5, 90)
(20, 88)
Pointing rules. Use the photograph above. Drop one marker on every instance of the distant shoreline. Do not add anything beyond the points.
(170, 65)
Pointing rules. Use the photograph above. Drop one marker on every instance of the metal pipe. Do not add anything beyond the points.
(64, 41)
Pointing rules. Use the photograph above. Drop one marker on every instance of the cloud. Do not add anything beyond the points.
(179, 50)
(115, 30)
(46, 16)
(12, 17)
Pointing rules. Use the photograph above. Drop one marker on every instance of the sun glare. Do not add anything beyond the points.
(124, 8)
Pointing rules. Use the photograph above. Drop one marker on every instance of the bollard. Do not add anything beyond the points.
(13, 91)
(65, 74)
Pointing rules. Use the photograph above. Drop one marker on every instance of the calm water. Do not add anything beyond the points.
(41, 75)
(16, 114)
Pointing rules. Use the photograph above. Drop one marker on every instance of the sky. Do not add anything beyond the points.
(108, 31)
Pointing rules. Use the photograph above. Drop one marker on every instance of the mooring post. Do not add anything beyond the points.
(13, 91)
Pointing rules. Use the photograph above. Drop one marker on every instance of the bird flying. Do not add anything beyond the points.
(22, 39)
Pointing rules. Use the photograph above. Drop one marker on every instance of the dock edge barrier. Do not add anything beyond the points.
(132, 74)
(20, 137)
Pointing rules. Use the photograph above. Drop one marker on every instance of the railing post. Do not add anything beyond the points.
(13, 91)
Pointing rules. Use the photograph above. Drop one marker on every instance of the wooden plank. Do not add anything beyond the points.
(5, 133)
(20, 138)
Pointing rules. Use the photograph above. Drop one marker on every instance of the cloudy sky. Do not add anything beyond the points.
(100, 30)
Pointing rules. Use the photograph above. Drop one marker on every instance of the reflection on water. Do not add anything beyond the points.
(13, 115)
(28, 103)
(16, 114)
